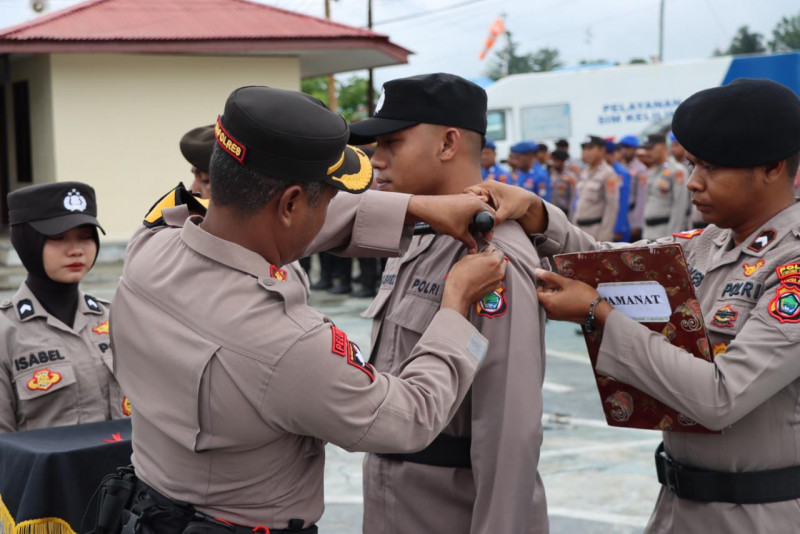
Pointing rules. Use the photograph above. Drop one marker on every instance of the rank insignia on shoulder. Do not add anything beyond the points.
(725, 317)
(750, 270)
(278, 274)
(43, 380)
(785, 305)
(126, 407)
(494, 304)
(102, 328)
(176, 197)
(719, 348)
(25, 309)
(763, 240)
(356, 359)
(689, 234)
(91, 302)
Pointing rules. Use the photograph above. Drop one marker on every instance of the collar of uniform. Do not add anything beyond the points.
(782, 223)
(222, 251)
(83, 305)
(24, 293)
(419, 244)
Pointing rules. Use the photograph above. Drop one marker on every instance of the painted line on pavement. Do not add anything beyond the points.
(556, 388)
(602, 517)
(571, 356)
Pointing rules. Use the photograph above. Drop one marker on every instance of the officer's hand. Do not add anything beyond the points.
(449, 214)
(566, 299)
(513, 203)
(473, 277)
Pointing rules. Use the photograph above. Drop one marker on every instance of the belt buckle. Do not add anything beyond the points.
(670, 473)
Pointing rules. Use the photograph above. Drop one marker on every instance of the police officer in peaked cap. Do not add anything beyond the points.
(57, 356)
(237, 382)
(743, 144)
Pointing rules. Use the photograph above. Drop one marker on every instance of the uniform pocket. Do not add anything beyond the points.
(414, 313)
(47, 395)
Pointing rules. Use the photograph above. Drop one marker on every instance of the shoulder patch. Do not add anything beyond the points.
(25, 309)
(102, 328)
(126, 407)
(689, 234)
(43, 380)
(611, 186)
(493, 305)
(750, 270)
(725, 317)
(785, 305)
(278, 274)
(339, 343)
(177, 197)
(356, 359)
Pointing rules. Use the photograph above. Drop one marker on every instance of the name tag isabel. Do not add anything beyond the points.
(645, 302)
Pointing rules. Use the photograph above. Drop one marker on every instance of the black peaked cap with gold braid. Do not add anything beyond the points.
(291, 136)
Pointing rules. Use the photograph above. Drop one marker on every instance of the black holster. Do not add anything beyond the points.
(115, 496)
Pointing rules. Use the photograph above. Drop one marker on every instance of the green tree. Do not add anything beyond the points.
(786, 35)
(637, 61)
(351, 94)
(744, 42)
(508, 60)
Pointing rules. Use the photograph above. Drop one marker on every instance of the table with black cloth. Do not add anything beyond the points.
(48, 476)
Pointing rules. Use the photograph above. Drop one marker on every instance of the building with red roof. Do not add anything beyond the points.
(102, 92)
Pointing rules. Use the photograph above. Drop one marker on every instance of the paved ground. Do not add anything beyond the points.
(598, 479)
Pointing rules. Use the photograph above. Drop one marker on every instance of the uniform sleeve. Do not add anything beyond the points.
(346, 402)
(507, 409)
(368, 225)
(759, 362)
(611, 185)
(679, 213)
(8, 400)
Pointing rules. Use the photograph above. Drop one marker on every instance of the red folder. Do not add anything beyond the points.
(652, 285)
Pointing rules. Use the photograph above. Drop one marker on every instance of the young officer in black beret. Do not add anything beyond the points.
(56, 353)
(743, 141)
(480, 474)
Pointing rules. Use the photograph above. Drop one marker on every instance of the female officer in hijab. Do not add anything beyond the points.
(54, 337)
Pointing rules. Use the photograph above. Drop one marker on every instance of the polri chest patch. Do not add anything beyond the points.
(495, 304)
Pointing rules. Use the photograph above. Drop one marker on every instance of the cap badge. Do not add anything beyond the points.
(74, 201)
(359, 180)
(381, 100)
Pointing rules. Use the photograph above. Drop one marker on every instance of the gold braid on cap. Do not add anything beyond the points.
(358, 181)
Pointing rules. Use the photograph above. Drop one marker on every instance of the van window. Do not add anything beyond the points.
(496, 125)
(546, 122)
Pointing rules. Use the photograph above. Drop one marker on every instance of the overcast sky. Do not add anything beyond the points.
(447, 35)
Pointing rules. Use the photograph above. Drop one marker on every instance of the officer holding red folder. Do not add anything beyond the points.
(743, 141)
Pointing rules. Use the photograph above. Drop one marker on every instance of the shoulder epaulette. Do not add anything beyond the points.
(177, 197)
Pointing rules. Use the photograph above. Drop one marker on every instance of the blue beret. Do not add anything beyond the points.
(672, 138)
(747, 123)
(524, 147)
(611, 147)
(629, 141)
(490, 144)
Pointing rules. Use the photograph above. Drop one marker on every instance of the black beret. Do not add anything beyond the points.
(53, 208)
(196, 145)
(440, 98)
(560, 155)
(746, 123)
(561, 143)
(291, 136)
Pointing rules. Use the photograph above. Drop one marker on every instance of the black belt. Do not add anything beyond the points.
(589, 222)
(444, 451)
(749, 487)
(657, 220)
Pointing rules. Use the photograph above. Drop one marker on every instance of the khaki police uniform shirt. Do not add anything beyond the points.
(598, 201)
(54, 375)
(502, 414)
(638, 172)
(668, 200)
(562, 189)
(752, 389)
(237, 387)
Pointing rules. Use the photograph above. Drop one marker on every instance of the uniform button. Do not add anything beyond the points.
(5, 304)
(268, 281)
